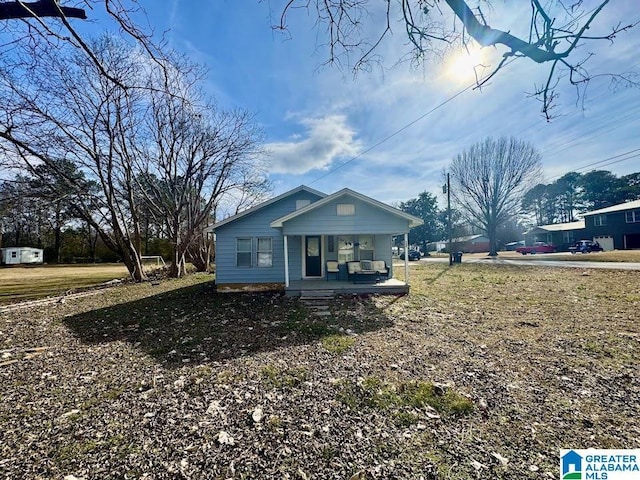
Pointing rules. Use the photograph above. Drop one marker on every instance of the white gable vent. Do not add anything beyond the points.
(302, 203)
(345, 209)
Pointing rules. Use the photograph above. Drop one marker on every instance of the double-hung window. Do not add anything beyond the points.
(365, 247)
(633, 216)
(600, 220)
(567, 237)
(265, 252)
(345, 249)
(243, 252)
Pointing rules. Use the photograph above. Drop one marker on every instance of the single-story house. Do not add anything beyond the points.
(286, 242)
(559, 234)
(436, 246)
(470, 244)
(22, 256)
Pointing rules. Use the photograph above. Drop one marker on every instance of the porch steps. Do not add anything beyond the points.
(317, 294)
(317, 301)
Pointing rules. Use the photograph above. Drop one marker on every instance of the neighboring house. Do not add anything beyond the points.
(616, 227)
(22, 255)
(561, 235)
(470, 244)
(290, 238)
(436, 246)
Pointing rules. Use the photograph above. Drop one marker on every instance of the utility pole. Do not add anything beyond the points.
(449, 218)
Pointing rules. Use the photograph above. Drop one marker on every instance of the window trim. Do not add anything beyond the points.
(350, 240)
(371, 248)
(599, 220)
(250, 252)
(269, 251)
(635, 216)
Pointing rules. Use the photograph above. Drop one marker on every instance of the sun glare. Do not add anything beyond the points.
(463, 65)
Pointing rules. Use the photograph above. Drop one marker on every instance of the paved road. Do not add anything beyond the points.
(546, 263)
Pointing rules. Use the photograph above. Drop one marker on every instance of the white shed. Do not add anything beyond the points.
(22, 255)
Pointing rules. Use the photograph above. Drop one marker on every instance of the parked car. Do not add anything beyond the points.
(413, 255)
(537, 247)
(585, 246)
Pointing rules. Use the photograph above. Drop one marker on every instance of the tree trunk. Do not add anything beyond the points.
(493, 247)
(174, 267)
(132, 261)
(57, 236)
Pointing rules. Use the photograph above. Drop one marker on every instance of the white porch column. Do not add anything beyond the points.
(286, 262)
(406, 258)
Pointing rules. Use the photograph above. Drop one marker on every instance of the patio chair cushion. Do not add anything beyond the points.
(366, 265)
(379, 266)
(353, 267)
(332, 267)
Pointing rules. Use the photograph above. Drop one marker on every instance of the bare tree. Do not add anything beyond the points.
(29, 23)
(489, 180)
(554, 33)
(196, 155)
(63, 107)
(152, 144)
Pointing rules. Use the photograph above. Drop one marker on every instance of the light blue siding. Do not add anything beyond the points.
(325, 220)
(295, 257)
(368, 220)
(254, 225)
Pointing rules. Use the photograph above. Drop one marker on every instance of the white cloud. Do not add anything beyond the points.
(325, 140)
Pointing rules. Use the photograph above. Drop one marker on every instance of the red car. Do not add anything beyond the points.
(538, 247)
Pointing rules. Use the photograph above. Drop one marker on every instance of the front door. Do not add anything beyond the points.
(313, 258)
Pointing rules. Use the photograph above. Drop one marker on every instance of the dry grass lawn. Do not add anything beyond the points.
(632, 256)
(28, 283)
(482, 372)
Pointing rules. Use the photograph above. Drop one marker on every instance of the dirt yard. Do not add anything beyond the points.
(482, 372)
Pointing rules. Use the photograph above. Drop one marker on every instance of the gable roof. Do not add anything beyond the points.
(615, 208)
(557, 227)
(468, 238)
(413, 221)
(271, 201)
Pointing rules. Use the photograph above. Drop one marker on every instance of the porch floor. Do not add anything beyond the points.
(391, 286)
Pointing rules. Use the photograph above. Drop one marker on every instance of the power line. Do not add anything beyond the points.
(566, 144)
(385, 139)
(604, 162)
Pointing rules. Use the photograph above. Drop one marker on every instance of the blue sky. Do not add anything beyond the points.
(317, 118)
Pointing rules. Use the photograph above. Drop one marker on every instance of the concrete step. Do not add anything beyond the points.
(318, 307)
(317, 293)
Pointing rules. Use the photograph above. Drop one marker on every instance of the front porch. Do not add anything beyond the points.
(305, 287)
